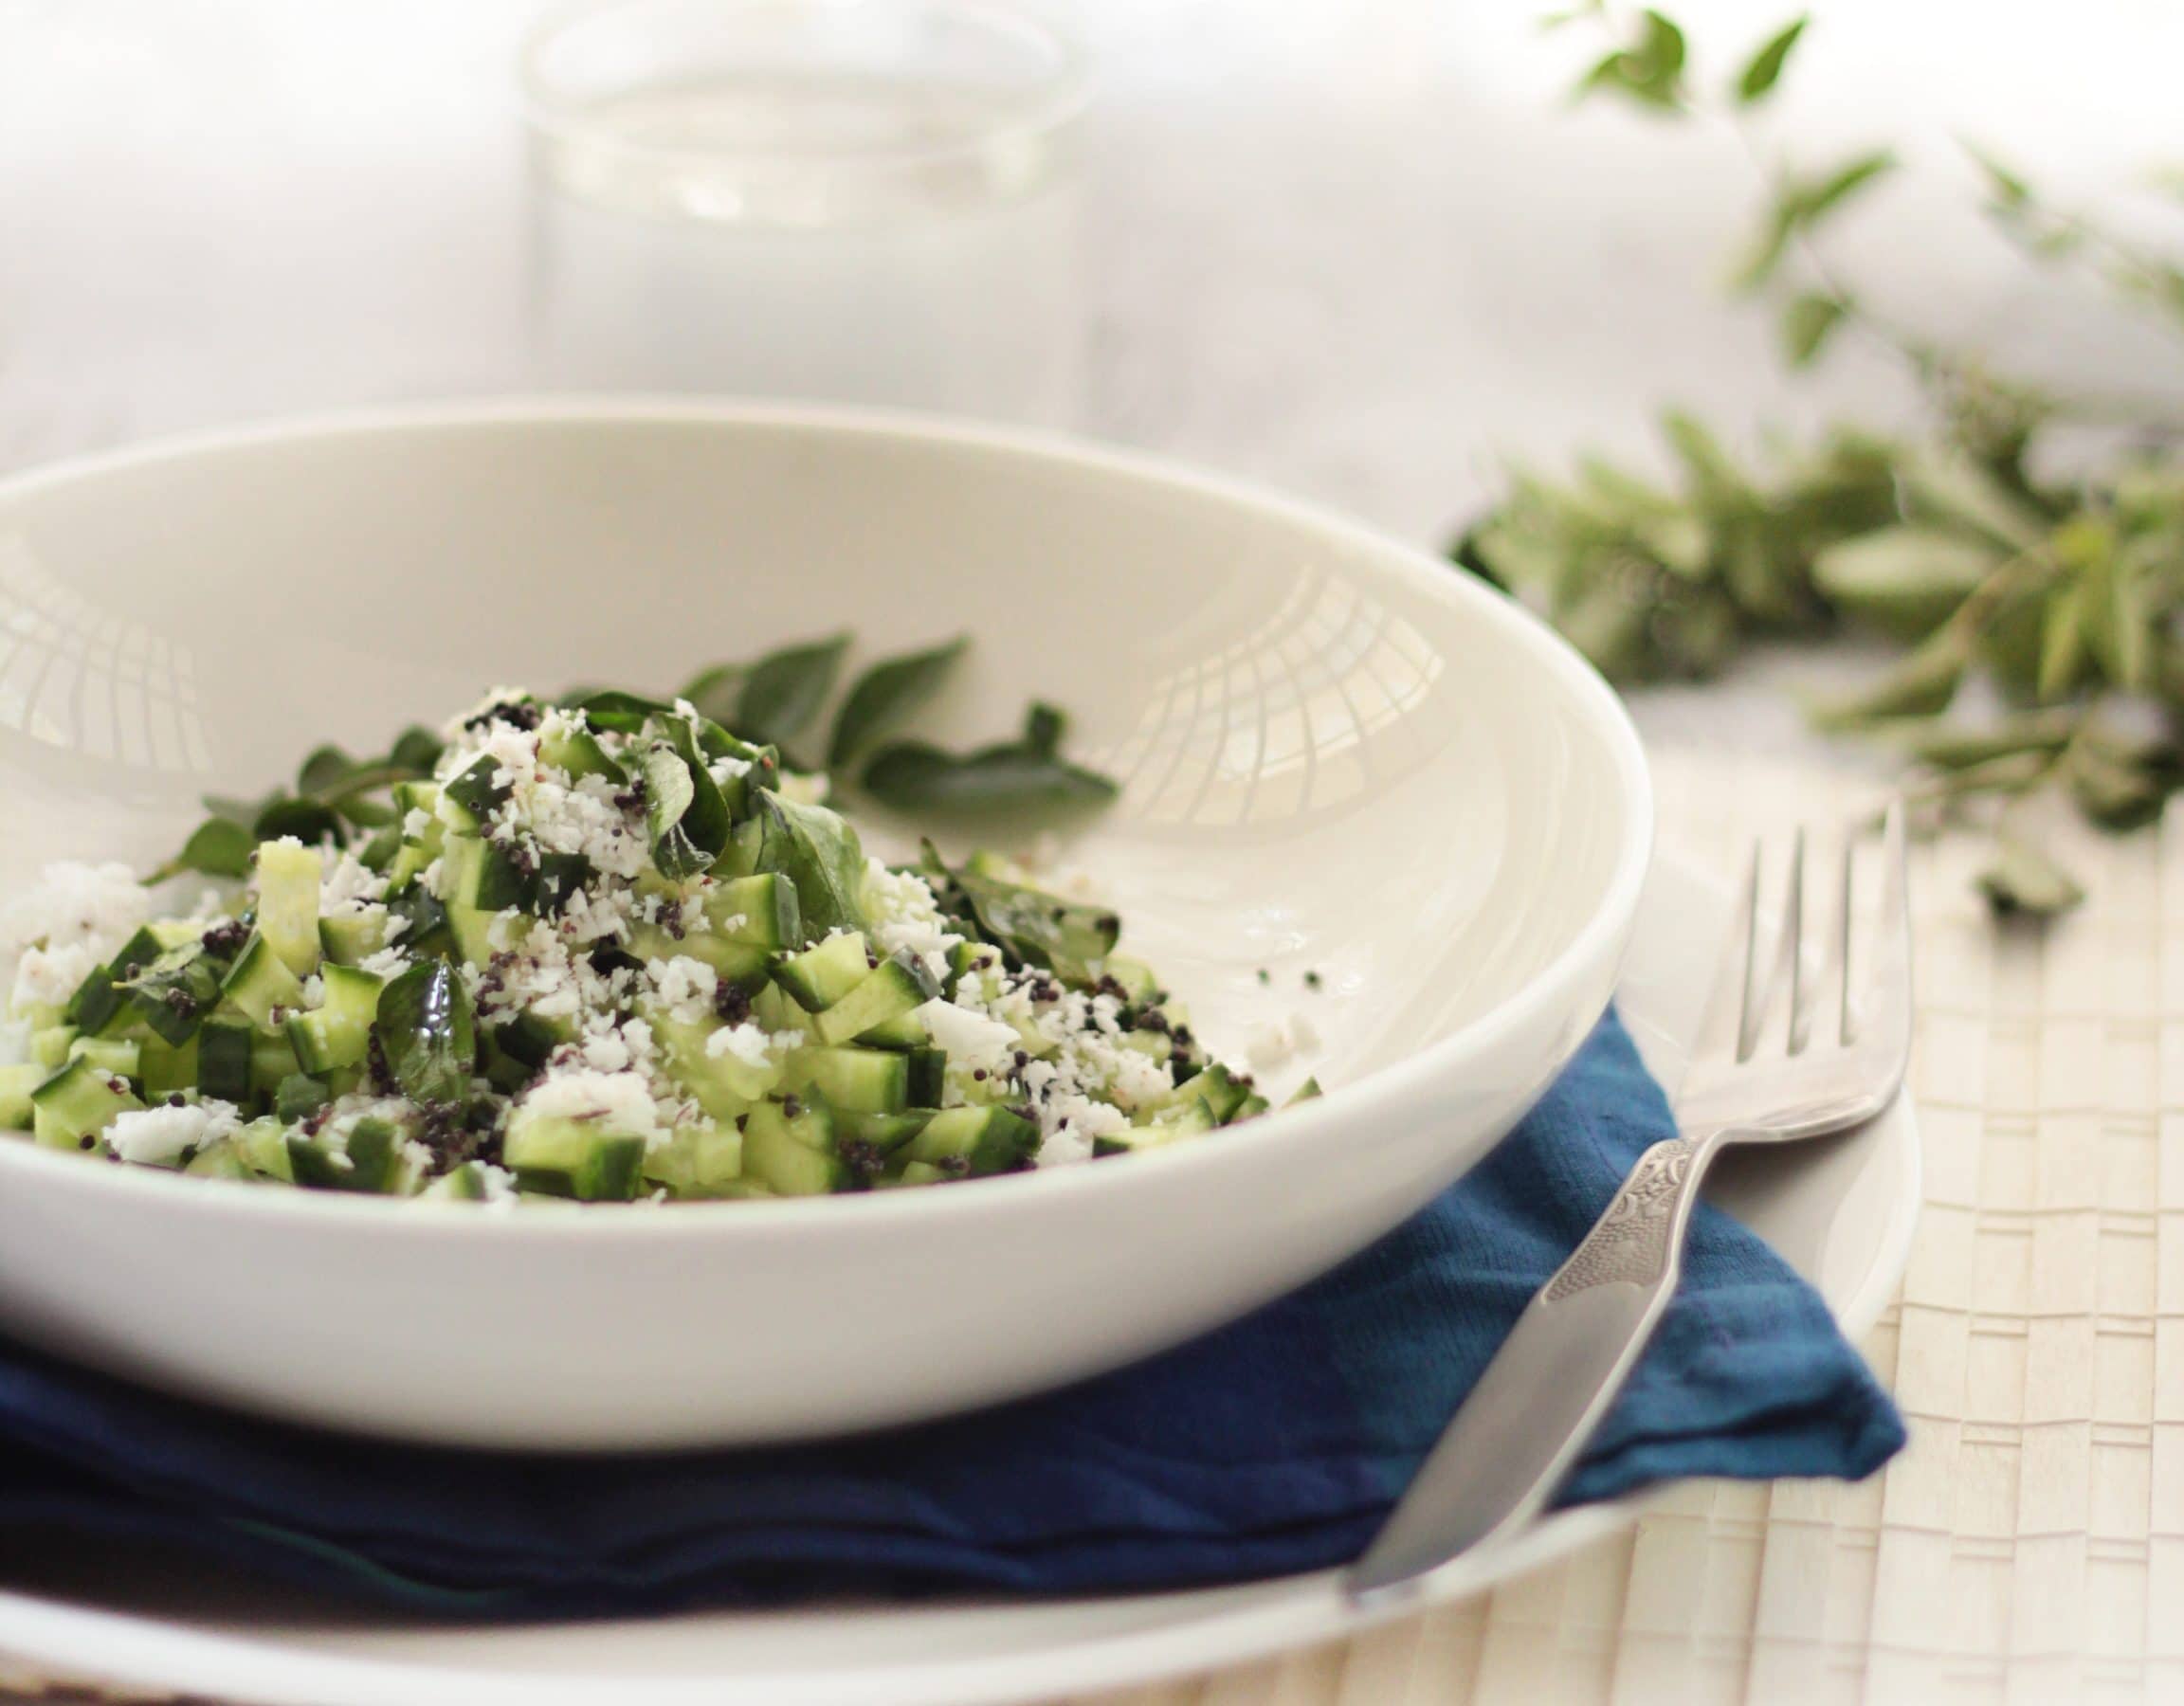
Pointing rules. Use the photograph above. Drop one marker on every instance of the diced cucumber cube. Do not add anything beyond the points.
(298, 1096)
(909, 1031)
(71, 1108)
(260, 983)
(471, 798)
(724, 1084)
(349, 938)
(1221, 1093)
(899, 985)
(569, 747)
(759, 910)
(733, 962)
(1135, 975)
(16, 1083)
(97, 1000)
(481, 874)
(271, 1059)
(374, 1157)
(123, 1059)
(288, 879)
(49, 1047)
(794, 1155)
(220, 1159)
(1186, 1121)
(579, 1158)
(859, 1081)
(224, 1060)
(928, 1075)
(883, 1132)
(822, 975)
(167, 1067)
(337, 1034)
(976, 1140)
(698, 1159)
(472, 928)
(263, 1143)
(468, 1183)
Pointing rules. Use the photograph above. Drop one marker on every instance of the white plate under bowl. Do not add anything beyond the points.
(1338, 757)
(1841, 1211)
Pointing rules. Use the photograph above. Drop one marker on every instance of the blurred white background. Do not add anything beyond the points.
(1358, 247)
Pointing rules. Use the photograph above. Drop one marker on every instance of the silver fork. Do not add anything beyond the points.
(1758, 1077)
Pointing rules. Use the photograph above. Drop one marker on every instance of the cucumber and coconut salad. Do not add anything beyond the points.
(602, 949)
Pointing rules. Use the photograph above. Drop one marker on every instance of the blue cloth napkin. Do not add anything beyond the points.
(1276, 1444)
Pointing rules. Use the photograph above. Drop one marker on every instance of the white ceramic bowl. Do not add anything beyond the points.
(1337, 756)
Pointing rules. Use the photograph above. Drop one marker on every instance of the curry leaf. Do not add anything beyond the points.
(326, 766)
(1921, 684)
(783, 691)
(912, 775)
(1816, 200)
(2010, 193)
(887, 691)
(1032, 926)
(613, 709)
(685, 819)
(2023, 879)
(1650, 71)
(1905, 579)
(1764, 69)
(417, 748)
(820, 854)
(309, 821)
(713, 691)
(1807, 322)
(218, 847)
(427, 1033)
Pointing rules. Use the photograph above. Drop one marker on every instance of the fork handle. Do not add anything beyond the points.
(1553, 1379)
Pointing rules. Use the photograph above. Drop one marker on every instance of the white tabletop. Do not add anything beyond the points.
(1357, 248)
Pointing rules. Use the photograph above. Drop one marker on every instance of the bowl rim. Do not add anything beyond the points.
(1284, 1131)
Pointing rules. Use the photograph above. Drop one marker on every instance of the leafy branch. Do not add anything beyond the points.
(2065, 595)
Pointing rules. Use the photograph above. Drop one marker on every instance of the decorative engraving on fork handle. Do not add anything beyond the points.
(1632, 1240)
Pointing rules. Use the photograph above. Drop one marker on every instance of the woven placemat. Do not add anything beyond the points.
(2028, 1546)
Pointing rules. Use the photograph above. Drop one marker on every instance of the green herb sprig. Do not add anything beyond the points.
(769, 702)
(2065, 593)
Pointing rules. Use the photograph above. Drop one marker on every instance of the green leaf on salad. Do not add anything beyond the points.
(613, 709)
(218, 847)
(820, 854)
(686, 818)
(427, 1033)
(783, 691)
(886, 692)
(1032, 927)
(309, 821)
(914, 775)
(417, 748)
(326, 766)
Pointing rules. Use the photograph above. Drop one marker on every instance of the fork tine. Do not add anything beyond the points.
(1750, 992)
(1846, 1021)
(1889, 985)
(1794, 948)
